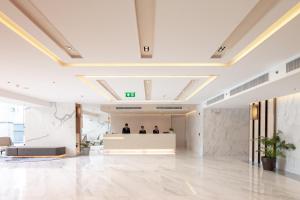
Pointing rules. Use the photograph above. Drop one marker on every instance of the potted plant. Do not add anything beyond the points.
(273, 147)
(85, 147)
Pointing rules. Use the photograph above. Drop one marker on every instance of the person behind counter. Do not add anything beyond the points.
(126, 129)
(156, 130)
(142, 131)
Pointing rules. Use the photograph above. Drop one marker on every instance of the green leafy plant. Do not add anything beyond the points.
(85, 144)
(275, 146)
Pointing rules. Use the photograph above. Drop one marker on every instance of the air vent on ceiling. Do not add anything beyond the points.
(293, 65)
(254, 82)
(170, 107)
(215, 99)
(128, 108)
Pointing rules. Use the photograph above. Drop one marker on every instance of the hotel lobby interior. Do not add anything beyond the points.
(150, 99)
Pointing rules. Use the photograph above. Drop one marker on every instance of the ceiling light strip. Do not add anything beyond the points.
(201, 87)
(252, 18)
(164, 64)
(85, 80)
(290, 15)
(144, 76)
(282, 21)
(185, 90)
(29, 38)
(107, 87)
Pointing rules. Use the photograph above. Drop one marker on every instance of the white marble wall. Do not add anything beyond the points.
(288, 121)
(51, 126)
(95, 123)
(226, 132)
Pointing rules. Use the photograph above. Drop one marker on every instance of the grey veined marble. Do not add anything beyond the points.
(226, 132)
(138, 177)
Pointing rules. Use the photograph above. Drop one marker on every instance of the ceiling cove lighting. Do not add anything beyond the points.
(281, 22)
(212, 78)
(85, 79)
(29, 38)
(43, 23)
(191, 112)
(252, 18)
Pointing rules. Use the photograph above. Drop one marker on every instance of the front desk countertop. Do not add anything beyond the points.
(140, 143)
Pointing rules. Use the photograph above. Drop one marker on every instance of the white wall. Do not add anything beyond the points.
(226, 132)
(135, 121)
(178, 123)
(194, 132)
(51, 126)
(288, 121)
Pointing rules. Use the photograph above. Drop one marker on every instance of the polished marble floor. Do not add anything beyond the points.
(136, 177)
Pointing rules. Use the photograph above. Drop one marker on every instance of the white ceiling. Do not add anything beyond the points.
(163, 89)
(106, 31)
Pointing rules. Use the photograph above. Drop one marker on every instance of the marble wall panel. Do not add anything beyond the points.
(51, 126)
(226, 132)
(288, 121)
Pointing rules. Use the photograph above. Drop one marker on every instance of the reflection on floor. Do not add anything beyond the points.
(136, 177)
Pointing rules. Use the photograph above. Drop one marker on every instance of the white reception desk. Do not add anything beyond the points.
(140, 143)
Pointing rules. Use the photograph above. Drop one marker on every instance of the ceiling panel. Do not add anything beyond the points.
(114, 38)
(128, 85)
(102, 30)
(165, 89)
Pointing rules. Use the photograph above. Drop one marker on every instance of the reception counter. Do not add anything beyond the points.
(139, 143)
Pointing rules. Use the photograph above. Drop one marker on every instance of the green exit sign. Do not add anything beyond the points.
(129, 94)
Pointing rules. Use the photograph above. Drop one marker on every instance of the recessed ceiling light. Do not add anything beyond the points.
(26, 88)
(17, 85)
(53, 82)
(81, 96)
(69, 48)
(8, 82)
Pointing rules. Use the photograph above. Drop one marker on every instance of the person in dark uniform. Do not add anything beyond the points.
(156, 130)
(142, 131)
(126, 129)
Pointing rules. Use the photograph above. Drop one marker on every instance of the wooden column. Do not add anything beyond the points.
(259, 132)
(266, 119)
(78, 110)
(253, 138)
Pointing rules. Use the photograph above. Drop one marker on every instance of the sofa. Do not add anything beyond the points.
(28, 151)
